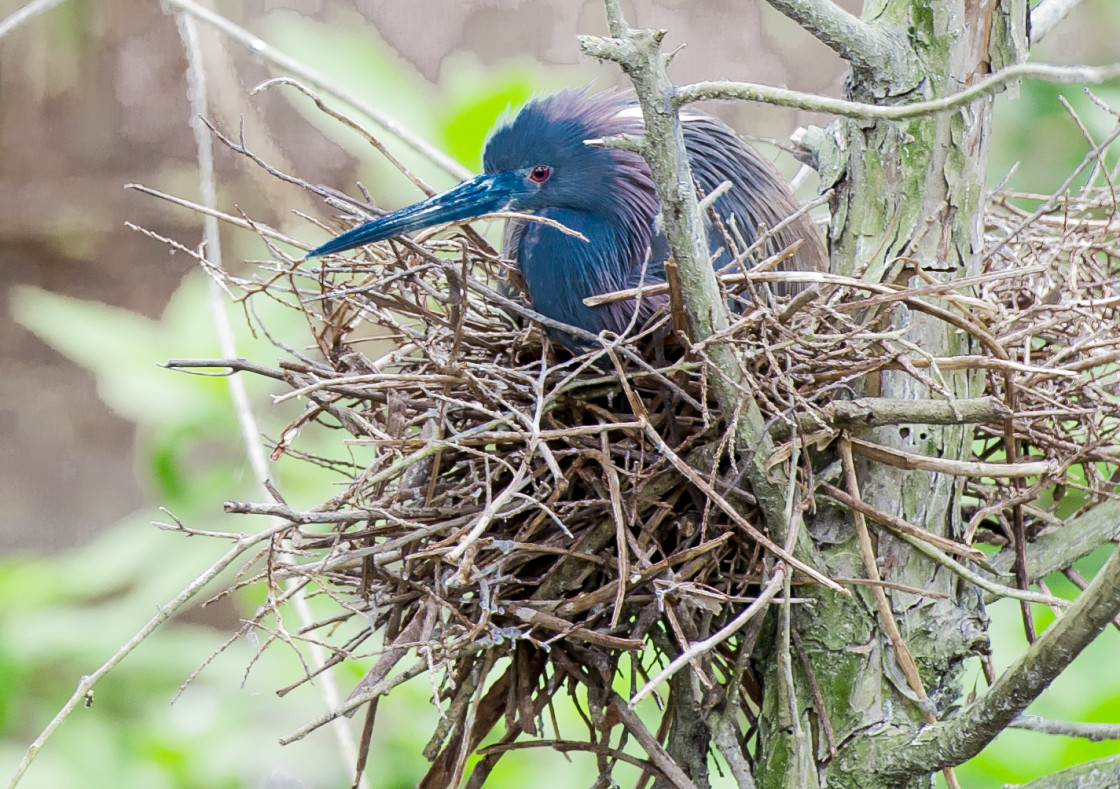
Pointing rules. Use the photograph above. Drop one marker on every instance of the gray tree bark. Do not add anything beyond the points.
(908, 191)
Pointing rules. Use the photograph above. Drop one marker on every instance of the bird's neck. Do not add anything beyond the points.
(561, 270)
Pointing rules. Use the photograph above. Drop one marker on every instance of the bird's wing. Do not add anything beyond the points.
(759, 195)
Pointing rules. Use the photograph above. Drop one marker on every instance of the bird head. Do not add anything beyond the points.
(537, 159)
(549, 144)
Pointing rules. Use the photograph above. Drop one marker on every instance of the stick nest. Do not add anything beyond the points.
(488, 478)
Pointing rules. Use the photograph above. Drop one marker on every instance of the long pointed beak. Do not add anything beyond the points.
(482, 195)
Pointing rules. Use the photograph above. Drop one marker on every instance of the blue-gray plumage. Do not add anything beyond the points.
(538, 162)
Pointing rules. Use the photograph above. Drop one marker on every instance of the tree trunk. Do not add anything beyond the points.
(909, 194)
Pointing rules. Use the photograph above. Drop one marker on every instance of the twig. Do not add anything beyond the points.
(262, 49)
(354, 702)
(915, 590)
(656, 751)
(622, 545)
(246, 419)
(800, 772)
(698, 648)
(236, 221)
(815, 689)
(564, 746)
(638, 53)
(725, 737)
(1046, 15)
(559, 625)
(960, 468)
(1103, 773)
(1078, 580)
(1093, 732)
(868, 412)
(348, 123)
(495, 507)
(1077, 538)
(886, 615)
(993, 588)
(897, 524)
(866, 46)
(714, 496)
(766, 94)
(233, 365)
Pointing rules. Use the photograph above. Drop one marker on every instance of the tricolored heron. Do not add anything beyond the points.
(539, 162)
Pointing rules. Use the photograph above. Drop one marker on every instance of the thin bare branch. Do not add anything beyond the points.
(1093, 732)
(1103, 773)
(698, 648)
(902, 652)
(246, 418)
(767, 94)
(21, 15)
(165, 612)
(960, 468)
(1076, 539)
(262, 49)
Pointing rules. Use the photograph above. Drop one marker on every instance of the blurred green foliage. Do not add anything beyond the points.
(457, 113)
(1088, 691)
(1037, 138)
(62, 616)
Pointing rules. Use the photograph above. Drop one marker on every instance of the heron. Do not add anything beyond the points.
(547, 160)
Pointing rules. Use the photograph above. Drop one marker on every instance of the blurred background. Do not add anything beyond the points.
(96, 438)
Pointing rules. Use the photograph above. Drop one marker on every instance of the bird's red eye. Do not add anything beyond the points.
(540, 173)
